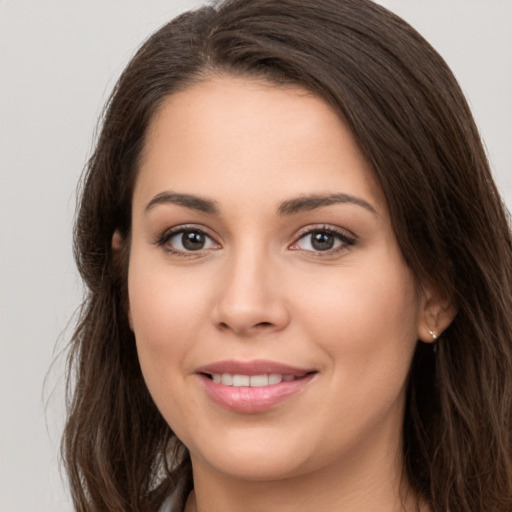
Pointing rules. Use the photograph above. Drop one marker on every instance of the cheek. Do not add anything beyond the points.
(166, 310)
(366, 321)
(366, 325)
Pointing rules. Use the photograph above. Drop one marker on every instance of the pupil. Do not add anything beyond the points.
(192, 240)
(322, 241)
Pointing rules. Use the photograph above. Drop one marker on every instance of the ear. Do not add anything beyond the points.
(118, 252)
(117, 243)
(436, 314)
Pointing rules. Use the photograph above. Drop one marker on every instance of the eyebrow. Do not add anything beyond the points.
(186, 200)
(289, 207)
(308, 203)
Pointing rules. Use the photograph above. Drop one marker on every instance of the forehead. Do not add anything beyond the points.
(239, 137)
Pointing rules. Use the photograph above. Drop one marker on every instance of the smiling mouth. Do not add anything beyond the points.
(253, 392)
(253, 381)
(251, 387)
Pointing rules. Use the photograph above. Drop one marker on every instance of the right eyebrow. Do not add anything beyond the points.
(187, 200)
(313, 202)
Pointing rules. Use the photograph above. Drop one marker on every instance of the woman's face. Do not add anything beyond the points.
(274, 315)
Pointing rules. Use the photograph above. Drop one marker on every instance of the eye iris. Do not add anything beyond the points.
(192, 240)
(322, 241)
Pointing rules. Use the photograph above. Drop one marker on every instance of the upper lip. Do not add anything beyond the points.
(255, 367)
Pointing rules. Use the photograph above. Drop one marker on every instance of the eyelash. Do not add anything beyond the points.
(163, 240)
(344, 239)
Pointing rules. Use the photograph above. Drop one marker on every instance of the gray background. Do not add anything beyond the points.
(58, 61)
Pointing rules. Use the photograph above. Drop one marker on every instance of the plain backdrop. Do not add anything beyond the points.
(58, 61)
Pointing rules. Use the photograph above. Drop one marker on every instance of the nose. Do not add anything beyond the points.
(250, 299)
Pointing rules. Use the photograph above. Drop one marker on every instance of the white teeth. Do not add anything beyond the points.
(227, 379)
(254, 381)
(274, 378)
(241, 380)
(258, 381)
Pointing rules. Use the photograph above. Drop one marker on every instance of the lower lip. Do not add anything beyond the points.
(251, 400)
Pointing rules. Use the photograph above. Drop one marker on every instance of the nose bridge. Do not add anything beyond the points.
(250, 298)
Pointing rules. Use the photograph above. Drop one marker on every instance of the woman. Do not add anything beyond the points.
(299, 275)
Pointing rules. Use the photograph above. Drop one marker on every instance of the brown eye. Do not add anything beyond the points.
(322, 241)
(186, 240)
(193, 240)
(325, 240)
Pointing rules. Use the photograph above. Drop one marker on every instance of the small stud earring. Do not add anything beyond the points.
(433, 334)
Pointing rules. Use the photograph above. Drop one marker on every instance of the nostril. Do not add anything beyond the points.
(263, 324)
(245, 323)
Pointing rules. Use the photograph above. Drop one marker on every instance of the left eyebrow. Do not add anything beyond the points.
(308, 203)
(187, 200)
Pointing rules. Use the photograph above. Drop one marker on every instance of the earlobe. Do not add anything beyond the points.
(436, 316)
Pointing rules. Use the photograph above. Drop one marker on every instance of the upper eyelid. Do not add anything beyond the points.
(324, 227)
(168, 233)
(187, 227)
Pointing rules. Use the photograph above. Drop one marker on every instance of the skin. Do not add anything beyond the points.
(259, 289)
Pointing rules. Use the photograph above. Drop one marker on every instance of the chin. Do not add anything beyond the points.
(262, 467)
(253, 456)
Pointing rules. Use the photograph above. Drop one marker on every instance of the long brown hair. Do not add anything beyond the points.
(411, 120)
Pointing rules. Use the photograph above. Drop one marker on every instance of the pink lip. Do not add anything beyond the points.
(247, 399)
(256, 367)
